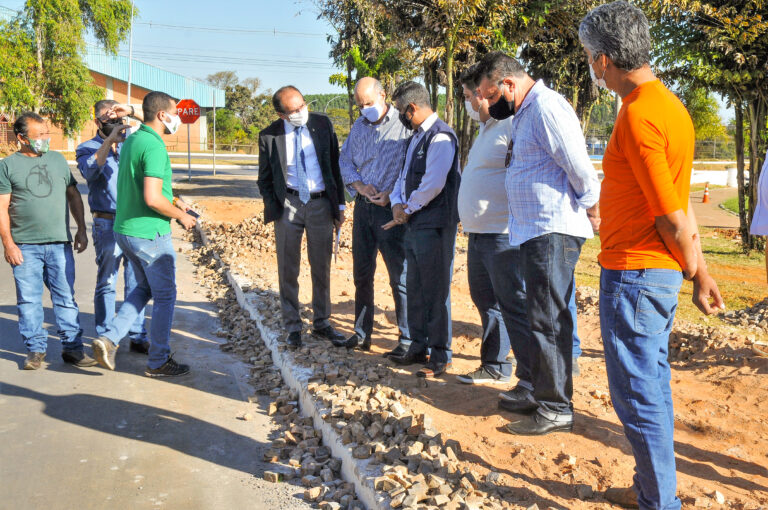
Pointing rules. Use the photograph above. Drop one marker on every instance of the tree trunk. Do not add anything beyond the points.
(435, 86)
(350, 92)
(757, 114)
(428, 80)
(449, 92)
(739, 141)
(39, 70)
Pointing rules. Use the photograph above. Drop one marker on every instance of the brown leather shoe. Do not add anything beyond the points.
(34, 360)
(624, 497)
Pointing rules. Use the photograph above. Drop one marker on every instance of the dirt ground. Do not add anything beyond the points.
(721, 408)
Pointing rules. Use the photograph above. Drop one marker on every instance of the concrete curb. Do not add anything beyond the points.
(296, 377)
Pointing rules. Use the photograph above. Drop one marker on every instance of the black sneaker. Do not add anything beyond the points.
(139, 347)
(169, 369)
(78, 359)
(34, 360)
(104, 351)
(517, 393)
(484, 375)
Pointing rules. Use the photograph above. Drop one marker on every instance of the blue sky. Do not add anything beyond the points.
(277, 41)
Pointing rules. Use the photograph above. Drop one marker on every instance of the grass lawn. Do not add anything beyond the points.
(741, 278)
(732, 204)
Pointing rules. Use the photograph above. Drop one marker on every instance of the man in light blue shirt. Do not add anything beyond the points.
(370, 161)
(98, 160)
(551, 188)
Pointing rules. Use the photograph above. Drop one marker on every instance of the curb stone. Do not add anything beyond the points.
(296, 377)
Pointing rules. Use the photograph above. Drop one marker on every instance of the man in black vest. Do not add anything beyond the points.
(300, 183)
(424, 200)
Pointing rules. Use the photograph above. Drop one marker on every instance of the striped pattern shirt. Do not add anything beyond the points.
(550, 179)
(374, 153)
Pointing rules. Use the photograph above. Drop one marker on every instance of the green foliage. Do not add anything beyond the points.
(705, 113)
(41, 67)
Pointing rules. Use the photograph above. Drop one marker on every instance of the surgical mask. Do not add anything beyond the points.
(299, 118)
(39, 146)
(600, 82)
(373, 113)
(502, 109)
(172, 125)
(406, 122)
(473, 114)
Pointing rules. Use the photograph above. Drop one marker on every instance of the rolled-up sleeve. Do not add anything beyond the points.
(560, 134)
(86, 163)
(440, 154)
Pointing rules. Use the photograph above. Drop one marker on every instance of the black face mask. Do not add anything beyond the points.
(407, 123)
(502, 109)
(109, 126)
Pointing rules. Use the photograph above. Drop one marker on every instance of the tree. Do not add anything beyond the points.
(722, 45)
(41, 65)
(223, 79)
(705, 113)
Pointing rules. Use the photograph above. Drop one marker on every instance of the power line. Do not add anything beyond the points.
(223, 59)
(273, 32)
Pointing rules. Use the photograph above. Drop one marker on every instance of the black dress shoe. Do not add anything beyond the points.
(537, 425)
(410, 358)
(398, 351)
(328, 333)
(294, 339)
(139, 347)
(518, 406)
(354, 342)
(432, 369)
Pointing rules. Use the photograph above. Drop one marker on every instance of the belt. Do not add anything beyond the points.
(317, 194)
(103, 215)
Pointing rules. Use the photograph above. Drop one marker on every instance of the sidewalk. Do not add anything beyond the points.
(94, 439)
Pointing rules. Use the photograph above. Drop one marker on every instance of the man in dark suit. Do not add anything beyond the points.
(300, 183)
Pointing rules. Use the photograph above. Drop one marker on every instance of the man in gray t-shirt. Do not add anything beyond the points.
(36, 189)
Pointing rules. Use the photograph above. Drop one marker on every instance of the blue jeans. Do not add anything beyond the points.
(498, 291)
(154, 264)
(637, 309)
(548, 264)
(572, 309)
(51, 265)
(429, 252)
(109, 256)
(368, 238)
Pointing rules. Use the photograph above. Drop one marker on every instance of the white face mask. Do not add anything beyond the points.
(299, 118)
(172, 125)
(473, 114)
(600, 82)
(374, 112)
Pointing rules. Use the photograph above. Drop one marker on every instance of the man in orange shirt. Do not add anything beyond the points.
(649, 243)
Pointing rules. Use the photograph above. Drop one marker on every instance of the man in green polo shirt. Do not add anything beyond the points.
(145, 207)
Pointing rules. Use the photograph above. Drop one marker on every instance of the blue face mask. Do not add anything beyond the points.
(372, 113)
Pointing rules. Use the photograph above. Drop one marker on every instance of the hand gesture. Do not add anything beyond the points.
(188, 221)
(13, 255)
(81, 241)
(381, 198)
(117, 135)
(704, 289)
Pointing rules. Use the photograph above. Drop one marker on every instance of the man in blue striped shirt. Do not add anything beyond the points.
(370, 161)
(552, 187)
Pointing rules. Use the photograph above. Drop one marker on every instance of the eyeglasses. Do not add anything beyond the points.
(508, 158)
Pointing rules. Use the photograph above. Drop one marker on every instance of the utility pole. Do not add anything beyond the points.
(130, 56)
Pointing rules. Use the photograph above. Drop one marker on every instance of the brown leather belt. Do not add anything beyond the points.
(103, 215)
(317, 194)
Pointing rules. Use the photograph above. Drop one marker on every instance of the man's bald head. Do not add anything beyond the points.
(370, 93)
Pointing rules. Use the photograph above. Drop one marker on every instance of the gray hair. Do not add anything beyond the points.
(497, 65)
(411, 92)
(619, 31)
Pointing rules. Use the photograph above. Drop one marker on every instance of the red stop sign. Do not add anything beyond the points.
(188, 110)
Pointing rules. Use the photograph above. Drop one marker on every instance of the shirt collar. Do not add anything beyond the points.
(148, 129)
(428, 123)
(537, 89)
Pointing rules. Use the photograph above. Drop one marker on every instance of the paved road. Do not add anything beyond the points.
(93, 439)
(711, 214)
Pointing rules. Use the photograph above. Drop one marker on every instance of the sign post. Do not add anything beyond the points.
(189, 112)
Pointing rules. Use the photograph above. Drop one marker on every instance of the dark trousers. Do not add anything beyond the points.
(429, 255)
(368, 239)
(314, 217)
(497, 289)
(548, 264)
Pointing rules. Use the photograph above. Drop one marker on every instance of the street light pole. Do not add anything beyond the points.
(130, 56)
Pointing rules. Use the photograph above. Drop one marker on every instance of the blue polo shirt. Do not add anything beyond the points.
(102, 180)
